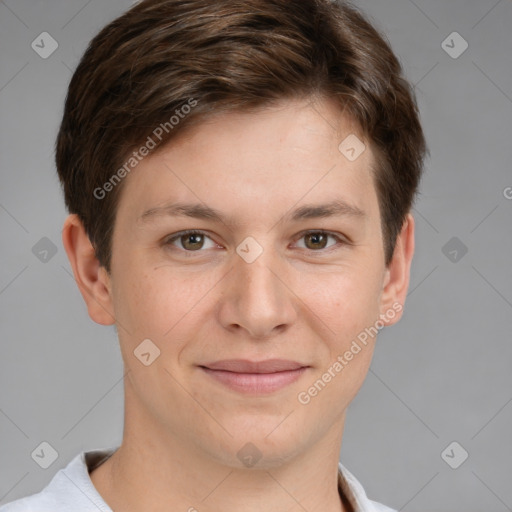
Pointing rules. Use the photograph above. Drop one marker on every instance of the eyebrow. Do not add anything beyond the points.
(335, 208)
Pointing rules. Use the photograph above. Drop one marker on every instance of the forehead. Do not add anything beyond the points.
(262, 161)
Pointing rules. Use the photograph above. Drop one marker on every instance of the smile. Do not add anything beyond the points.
(255, 378)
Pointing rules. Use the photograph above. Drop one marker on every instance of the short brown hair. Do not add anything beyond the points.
(229, 55)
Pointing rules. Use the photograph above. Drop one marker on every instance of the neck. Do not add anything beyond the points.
(158, 470)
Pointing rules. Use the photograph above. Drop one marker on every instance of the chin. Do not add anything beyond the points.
(264, 445)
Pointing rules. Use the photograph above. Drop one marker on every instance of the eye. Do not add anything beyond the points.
(317, 240)
(191, 241)
(195, 240)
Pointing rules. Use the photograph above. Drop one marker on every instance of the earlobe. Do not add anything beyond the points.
(397, 274)
(91, 278)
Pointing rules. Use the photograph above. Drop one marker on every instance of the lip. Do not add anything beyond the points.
(255, 377)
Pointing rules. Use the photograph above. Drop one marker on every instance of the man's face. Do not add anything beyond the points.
(262, 283)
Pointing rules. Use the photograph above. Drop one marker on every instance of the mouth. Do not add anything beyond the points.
(255, 377)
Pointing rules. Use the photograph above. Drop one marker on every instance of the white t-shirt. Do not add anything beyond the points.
(72, 490)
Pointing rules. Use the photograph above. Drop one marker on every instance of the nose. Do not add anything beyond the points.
(256, 297)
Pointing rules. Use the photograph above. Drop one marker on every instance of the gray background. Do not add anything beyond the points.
(442, 374)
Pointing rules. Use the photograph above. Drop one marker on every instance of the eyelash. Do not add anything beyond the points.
(340, 241)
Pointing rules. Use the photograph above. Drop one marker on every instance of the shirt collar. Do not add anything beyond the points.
(351, 488)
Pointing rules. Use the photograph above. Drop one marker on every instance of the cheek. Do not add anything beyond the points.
(346, 300)
(143, 303)
(158, 304)
(347, 305)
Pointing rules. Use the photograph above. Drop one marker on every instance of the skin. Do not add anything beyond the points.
(302, 299)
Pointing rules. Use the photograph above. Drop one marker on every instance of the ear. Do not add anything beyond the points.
(92, 279)
(397, 274)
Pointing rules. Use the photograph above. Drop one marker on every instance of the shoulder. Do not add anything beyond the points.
(70, 489)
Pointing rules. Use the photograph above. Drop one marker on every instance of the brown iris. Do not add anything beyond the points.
(318, 240)
(192, 241)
